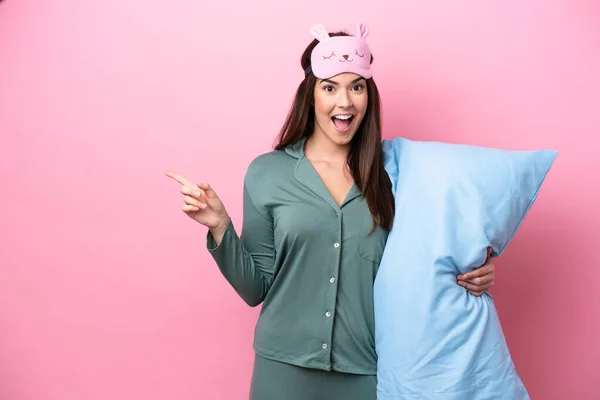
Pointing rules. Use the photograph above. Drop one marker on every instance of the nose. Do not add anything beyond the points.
(343, 99)
(346, 56)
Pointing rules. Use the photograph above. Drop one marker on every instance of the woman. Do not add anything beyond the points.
(316, 214)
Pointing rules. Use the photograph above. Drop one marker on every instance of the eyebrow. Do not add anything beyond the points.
(360, 78)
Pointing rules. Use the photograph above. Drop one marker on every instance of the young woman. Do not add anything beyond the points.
(316, 214)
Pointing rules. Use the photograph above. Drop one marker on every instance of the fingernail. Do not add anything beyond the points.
(202, 205)
(198, 193)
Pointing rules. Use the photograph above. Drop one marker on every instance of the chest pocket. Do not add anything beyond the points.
(372, 244)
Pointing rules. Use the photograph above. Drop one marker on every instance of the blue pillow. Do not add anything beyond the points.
(434, 340)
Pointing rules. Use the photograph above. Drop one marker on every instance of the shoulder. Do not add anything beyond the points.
(268, 167)
(267, 161)
(266, 174)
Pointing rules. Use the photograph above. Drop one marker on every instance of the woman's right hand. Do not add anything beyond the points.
(202, 204)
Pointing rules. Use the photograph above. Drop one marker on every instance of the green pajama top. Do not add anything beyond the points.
(310, 262)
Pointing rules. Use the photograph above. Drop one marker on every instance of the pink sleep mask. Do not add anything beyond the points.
(339, 54)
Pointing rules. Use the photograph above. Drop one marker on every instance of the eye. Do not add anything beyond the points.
(358, 87)
(360, 55)
(328, 88)
(327, 58)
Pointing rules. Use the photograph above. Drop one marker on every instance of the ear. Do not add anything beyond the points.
(362, 30)
(319, 32)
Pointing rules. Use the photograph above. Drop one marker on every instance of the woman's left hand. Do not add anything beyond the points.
(479, 281)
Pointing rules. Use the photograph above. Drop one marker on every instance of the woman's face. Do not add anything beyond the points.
(340, 106)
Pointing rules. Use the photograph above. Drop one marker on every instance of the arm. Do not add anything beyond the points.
(246, 261)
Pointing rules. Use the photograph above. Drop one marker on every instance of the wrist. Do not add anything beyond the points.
(219, 230)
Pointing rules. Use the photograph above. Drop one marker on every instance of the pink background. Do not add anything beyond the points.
(106, 289)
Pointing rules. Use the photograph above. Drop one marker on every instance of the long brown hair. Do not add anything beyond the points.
(365, 158)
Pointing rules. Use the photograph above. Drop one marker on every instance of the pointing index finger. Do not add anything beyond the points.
(181, 179)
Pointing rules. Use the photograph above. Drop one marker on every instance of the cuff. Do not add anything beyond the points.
(211, 244)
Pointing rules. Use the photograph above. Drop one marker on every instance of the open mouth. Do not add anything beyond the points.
(342, 122)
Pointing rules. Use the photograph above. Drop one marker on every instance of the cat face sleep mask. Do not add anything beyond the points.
(339, 54)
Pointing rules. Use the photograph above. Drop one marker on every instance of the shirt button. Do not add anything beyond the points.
(332, 280)
(336, 245)
(324, 345)
(328, 314)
